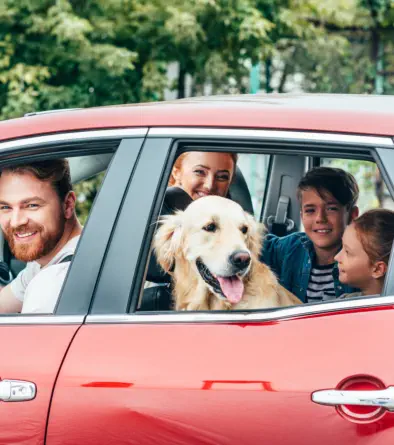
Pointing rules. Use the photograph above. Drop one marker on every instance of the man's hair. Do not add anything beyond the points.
(340, 184)
(56, 171)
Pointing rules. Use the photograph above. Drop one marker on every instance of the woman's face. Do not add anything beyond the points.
(202, 174)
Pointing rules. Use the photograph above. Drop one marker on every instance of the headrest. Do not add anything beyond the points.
(174, 199)
(239, 192)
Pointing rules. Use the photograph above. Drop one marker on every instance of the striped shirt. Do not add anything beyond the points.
(321, 284)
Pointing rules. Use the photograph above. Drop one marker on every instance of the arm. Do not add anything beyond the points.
(272, 253)
(8, 302)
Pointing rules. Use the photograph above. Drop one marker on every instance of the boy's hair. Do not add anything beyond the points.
(56, 171)
(375, 230)
(340, 184)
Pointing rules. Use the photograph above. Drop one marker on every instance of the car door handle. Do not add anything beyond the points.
(383, 398)
(17, 390)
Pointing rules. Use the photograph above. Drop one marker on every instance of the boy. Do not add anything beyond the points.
(304, 262)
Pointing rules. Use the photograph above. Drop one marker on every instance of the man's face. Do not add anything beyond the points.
(324, 219)
(31, 215)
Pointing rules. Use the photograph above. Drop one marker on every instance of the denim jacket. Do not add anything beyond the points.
(291, 258)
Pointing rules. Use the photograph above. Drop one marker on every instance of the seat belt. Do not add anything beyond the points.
(280, 224)
(66, 259)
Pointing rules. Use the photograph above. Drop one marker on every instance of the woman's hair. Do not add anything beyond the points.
(180, 159)
(375, 230)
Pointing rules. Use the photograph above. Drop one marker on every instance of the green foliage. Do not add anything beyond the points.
(83, 53)
(80, 53)
(365, 174)
(335, 44)
(86, 191)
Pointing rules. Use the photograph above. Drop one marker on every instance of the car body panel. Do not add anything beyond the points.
(34, 353)
(223, 383)
(372, 115)
(227, 378)
(34, 346)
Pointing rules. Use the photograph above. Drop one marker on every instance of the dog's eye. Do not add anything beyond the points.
(244, 229)
(210, 227)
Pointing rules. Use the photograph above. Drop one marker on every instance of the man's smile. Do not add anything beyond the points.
(24, 236)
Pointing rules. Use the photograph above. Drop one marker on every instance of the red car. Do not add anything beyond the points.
(109, 368)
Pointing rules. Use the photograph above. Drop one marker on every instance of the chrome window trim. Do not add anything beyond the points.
(74, 136)
(243, 317)
(271, 134)
(40, 319)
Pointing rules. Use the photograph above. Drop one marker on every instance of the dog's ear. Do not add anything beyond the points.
(255, 235)
(167, 240)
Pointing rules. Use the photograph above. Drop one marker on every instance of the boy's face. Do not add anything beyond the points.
(324, 219)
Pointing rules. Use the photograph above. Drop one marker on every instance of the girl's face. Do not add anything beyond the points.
(202, 174)
(355, 267)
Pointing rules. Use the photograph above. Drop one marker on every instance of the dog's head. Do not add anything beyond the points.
(218, 240)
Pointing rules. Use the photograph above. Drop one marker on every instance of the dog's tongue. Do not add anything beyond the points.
(232, 287)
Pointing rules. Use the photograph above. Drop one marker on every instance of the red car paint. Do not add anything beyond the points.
(193, 383)
(31, 353)
(328, 113)
(220, 384)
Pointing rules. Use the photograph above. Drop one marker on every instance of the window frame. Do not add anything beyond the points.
(77, 143)
(180, 140)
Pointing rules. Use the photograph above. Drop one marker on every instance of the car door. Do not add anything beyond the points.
(33, 346)
(281, 376)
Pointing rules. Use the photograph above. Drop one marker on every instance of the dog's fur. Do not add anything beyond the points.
(186, 239)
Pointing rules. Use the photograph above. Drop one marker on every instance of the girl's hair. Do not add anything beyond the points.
(180, 159)
(375, 230)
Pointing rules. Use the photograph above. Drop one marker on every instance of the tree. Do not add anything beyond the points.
(344, 49)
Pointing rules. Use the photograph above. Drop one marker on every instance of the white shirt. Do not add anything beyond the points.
(39, 288)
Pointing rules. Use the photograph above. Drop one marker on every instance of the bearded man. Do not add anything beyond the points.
(37, 216)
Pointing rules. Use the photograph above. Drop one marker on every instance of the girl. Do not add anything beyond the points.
(366, 247)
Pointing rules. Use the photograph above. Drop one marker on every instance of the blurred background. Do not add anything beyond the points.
(83, 53)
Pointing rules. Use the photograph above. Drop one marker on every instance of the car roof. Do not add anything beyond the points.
(356, 114)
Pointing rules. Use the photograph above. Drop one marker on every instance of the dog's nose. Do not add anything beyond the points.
(240, 259)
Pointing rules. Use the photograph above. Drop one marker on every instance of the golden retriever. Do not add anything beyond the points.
(212, 252)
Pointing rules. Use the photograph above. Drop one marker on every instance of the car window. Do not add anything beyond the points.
(198, 175)
(159, 287)
(373, 191)
(255, 171)
(133, 275)
(33, 279)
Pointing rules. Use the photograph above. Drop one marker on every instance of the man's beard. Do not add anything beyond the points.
(42, 245)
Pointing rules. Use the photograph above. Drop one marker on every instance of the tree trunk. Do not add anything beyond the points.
(268, 65)
(181, 82)
(376, 51)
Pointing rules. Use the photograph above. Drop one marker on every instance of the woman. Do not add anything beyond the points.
(204, 173)
(198, 174)
(366, 247)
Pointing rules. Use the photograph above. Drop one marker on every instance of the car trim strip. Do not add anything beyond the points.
(41, 319)
(236, 317)
(271, 134)
(75, 137)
